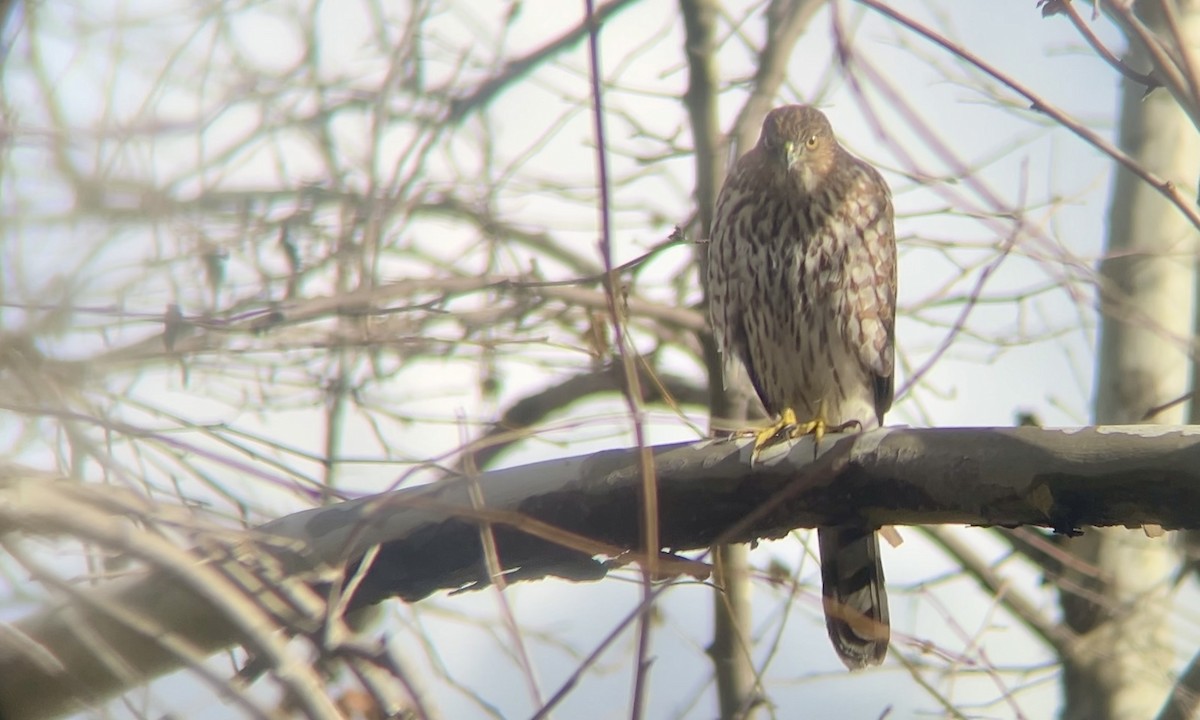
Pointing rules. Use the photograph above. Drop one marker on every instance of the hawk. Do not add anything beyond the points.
(802, 288)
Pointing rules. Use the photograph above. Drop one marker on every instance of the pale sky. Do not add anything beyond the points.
(1045, 367)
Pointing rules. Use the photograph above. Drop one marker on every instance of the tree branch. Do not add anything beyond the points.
(517, 420)
(1058, 637)
(1163, 186)
(574, 518)
(786, 21)
(518, 68)
(1184, 701)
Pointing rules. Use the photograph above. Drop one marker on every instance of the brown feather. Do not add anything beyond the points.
(802, 287)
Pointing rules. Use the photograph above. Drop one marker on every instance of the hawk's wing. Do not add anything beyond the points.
(729, 276)
(871, 283)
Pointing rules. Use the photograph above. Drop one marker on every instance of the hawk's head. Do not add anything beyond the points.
(800, 139)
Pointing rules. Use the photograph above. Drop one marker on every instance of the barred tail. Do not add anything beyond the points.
(856, 606)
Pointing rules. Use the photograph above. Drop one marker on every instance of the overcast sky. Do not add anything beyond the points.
(1043, 364)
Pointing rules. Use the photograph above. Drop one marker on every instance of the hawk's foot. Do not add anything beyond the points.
(780, 430)
(788, 427)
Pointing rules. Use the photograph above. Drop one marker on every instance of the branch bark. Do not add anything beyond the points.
(731, 597)
(572, 518)
(731, 396)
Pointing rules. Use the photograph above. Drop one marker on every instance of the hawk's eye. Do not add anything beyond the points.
(811, 142)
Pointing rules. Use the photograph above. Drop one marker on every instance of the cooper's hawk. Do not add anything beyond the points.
(802, 286)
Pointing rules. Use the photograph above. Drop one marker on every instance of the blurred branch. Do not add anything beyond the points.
(71, 652)
(7, 14)
(700, 99)
(150, 204)
(1083, 586)
(185, 335)
(1174, 65)
(516, 422)
(489, 224)
(553, 519)
(517, 69)
(732, 617)
(1067, 7)
(1171, 64)
(786, 21)
(1039, 104)
(1057, 637)
(647, 509)
(1184, 701)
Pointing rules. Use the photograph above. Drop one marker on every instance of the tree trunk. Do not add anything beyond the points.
(1121, 666)
(731, 598)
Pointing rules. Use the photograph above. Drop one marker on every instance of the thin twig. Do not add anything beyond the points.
(1057, 637)
(520, 67)
(1068, 7)
(1183, 703)
(1165, 66)
(1186, 59)
(1039, 104)
(633, 392)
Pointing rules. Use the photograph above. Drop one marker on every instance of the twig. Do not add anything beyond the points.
(1057, 637)
(520, 67)
(633, 392)
(521, 416)
(1067, 7)
(786, 21)
(1184, 701)
(1164, 65)
(1037, 103)
(1186, 60)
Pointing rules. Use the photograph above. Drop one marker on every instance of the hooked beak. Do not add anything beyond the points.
(791, 155)
(797, 166)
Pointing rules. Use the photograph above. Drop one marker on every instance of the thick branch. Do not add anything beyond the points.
(558, 517)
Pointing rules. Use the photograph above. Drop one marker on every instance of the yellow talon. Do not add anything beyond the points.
(774, 432)
(789, 428)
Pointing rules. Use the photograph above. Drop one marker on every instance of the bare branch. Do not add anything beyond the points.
(1039, 104)
(517, 69)
(1054, 635)
(786, 21)
(521, 416)
(1179, 81)
(1184, 701)
(555, 518)
(1055, 7)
